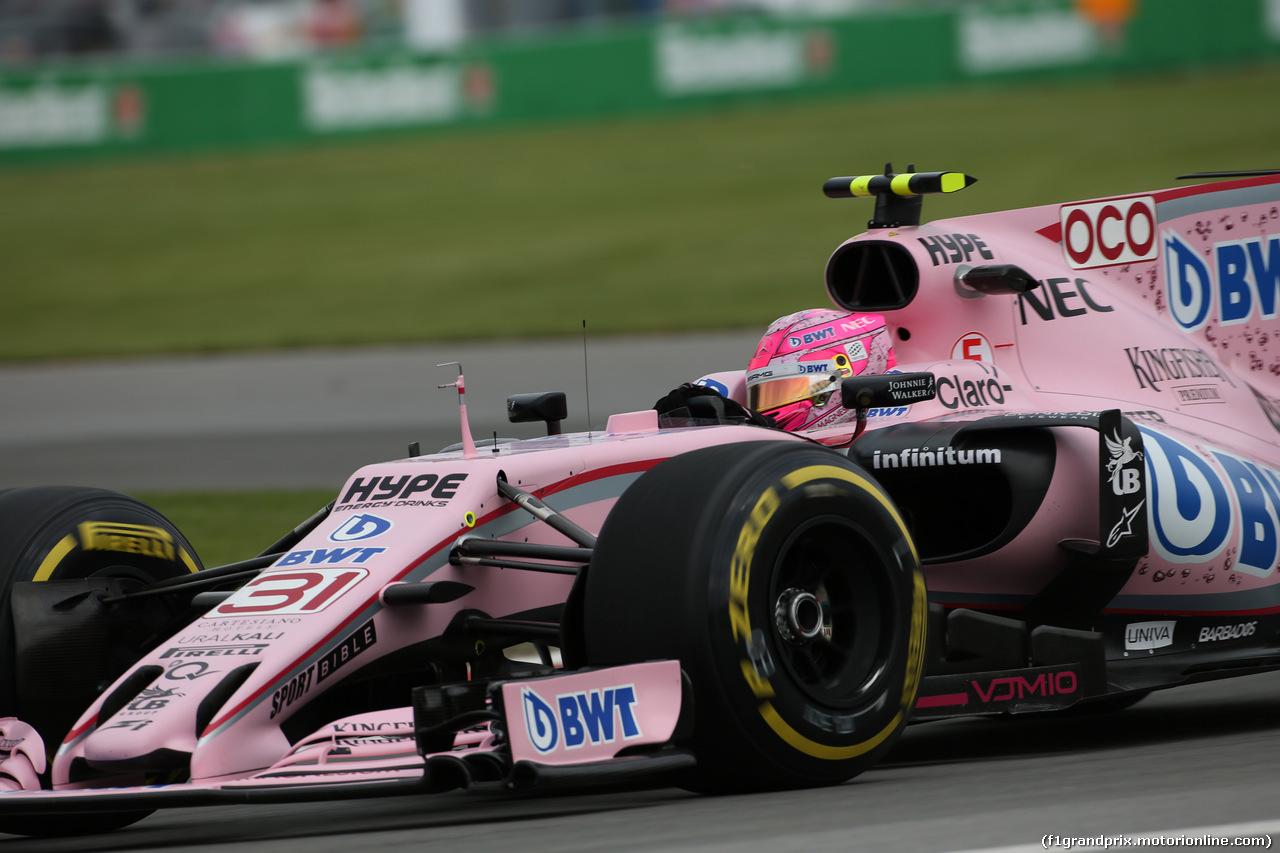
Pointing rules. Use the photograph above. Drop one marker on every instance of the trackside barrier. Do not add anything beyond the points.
(93, 110)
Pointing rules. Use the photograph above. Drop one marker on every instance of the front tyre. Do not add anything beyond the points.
(783, 579)
(69, 533)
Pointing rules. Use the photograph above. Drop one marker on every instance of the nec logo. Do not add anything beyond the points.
(1119, 231)
(574, 720)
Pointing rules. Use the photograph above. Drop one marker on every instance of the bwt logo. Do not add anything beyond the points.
(333, 556)
(1241, 276)
(811, 337)
(361, 526)
(719, 387)
(576, 719)
(1119, 231)
(1197, 510)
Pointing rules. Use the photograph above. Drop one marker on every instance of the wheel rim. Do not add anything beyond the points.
(118, 571)
(829, 628)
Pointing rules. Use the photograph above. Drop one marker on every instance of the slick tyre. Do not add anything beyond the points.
(66, 533)
(783, 579)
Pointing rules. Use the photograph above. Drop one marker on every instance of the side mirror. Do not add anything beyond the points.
(884, 390)
(994, 279)
(547, 406)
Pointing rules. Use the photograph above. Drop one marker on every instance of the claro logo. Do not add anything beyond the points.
(1118, 231)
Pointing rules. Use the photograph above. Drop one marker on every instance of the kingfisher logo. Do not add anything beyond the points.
(362, 526)
(573, 720)
(1242, 277)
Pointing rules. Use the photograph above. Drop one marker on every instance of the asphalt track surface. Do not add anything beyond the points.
(309, 419)
(1189, 762)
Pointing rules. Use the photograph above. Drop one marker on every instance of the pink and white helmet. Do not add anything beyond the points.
(800, 362)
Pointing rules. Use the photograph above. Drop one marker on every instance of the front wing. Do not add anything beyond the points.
(602, 725)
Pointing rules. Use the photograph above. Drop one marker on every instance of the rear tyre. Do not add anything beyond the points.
(783, 579)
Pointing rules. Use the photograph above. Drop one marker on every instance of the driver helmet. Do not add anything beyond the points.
(800, 362)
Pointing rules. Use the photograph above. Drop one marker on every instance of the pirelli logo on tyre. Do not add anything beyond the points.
(757, 666)
(740, 568)
(919, 634)
(127, 539)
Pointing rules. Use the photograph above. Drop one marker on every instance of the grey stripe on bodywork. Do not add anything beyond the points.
(1213, 201)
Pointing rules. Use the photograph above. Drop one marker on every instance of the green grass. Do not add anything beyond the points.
(689, 221)
(662, 223)
(225, 528)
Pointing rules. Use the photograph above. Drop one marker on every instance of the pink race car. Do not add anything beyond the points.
(1036, 465)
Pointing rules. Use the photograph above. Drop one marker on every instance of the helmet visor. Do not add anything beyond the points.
(779, 384)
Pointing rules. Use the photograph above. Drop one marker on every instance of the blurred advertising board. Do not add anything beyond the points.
(97, 108)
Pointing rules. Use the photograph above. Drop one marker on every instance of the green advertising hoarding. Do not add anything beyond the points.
(112, 109)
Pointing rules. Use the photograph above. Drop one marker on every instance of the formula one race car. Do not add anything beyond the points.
(1066, 492)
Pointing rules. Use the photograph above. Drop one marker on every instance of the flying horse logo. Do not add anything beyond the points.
(1124, 481)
